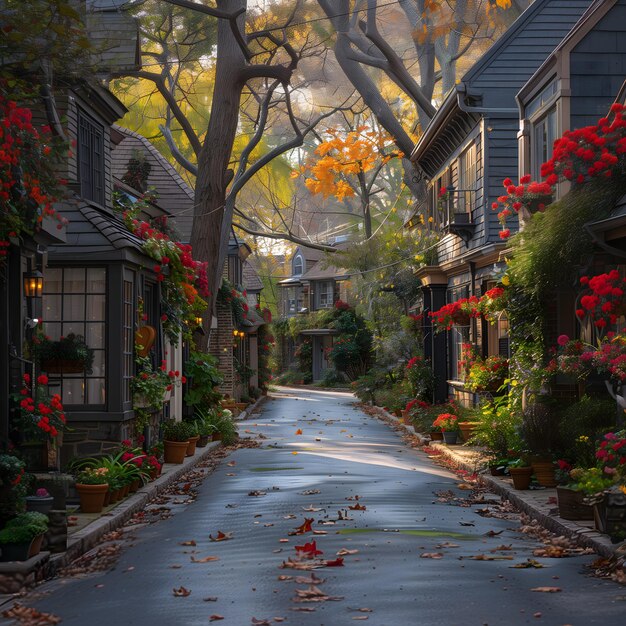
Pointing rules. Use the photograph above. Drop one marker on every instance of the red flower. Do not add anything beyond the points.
(42, 379)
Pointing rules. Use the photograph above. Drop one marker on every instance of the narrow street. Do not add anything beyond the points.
(410, 551)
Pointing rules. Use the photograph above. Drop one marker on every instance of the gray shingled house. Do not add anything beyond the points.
(469, 147)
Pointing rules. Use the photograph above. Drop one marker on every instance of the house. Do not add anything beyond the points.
(312, 286)
(466, 151)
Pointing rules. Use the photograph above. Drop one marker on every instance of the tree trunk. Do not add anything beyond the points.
(214, 174)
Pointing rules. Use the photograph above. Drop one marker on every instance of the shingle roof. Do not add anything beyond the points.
(174, 194)
(94, 233)
(251, 279)
(319, 272)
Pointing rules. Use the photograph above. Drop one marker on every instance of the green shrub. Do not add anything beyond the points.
(176, 431)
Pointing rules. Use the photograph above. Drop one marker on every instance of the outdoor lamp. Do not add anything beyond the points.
(33, 284)
(199, 320)
(235, 332)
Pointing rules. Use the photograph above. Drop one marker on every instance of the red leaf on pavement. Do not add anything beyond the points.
(215, 617)
(431, 555)
(357, 507)
(206, 559)
(338, 562)
(310, 549)
(299, 431)
(187, 543)
(221, 536)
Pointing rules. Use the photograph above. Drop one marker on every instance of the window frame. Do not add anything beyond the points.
(91, 168)
(326, 290)
(298, 260)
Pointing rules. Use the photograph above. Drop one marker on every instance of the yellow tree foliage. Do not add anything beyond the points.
(347, 156)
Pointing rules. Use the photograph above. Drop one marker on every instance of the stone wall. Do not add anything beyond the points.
(221, 346)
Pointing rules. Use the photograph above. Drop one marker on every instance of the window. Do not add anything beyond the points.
(325, 294)
(543, 136)
(467, 180)
(438, 211)
(91, 158)
(74, 301)
(457, 337)
(297, 265)
(128, 366)
(291, 300)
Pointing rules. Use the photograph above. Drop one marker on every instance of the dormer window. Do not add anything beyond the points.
(91, 158)
(297, 265)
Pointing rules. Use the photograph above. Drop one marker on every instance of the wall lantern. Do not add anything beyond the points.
(235, 333)
(199, 320)
(33, 284)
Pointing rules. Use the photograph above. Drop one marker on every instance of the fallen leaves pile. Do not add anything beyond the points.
(27, 616)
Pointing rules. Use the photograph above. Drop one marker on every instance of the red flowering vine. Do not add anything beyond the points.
(41, 415)
(29, 182)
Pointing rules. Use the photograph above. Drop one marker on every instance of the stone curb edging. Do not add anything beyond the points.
(582, 535)
(84, 540)
(248, 411)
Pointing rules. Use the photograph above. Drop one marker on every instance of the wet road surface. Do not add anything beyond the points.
(342, 453)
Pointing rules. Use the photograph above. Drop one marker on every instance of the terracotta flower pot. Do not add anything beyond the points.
(467, 430)
(107, 498)
(191, 445)
(175, 451)
(571, 505)
(217, 436)
(115, 496)
(134, 486)
(125, 491)
(35, 546)
(544, 472)
(91, 497)
(521, 477)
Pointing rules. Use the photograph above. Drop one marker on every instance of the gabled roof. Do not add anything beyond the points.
(251, 280)
(174, 194)
(95, 233)
(319, 272)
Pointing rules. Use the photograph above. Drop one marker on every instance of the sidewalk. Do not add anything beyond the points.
(541, 504)
(88, 529)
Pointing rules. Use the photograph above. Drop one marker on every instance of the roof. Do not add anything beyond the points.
(319, 272)
(95, 233)
(310, 254)
(251, 280)
(174, 194)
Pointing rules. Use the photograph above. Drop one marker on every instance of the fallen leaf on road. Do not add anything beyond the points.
(285, 577)
(210, 599)
(231, 474)
(320, 532)
(338, 562)
(181, 592)
(187, 543)
(465, 486)
(447, 544)
(261, 622)
(309, 580)
(283, 540)
(206, 559)
(361, 617)
(487, 557)
(493, 533)
(502, 547)
(294, 452)
(215, 617)
(310, 509)
(357, 507)
(221, 536)
(553, 552)
(345, 551)
(467, 523)
(310, 492)
(279, 619)
(231, 463)
(175, 566)
(291, 564)
(313, 594)
(547, 589)
(431, 555)
(29, 616)
(310, 549)
(528, 563)
(363, 610)
(305, 527)
(305, 609)
(290, 516)
(257, 493)
(299, 431)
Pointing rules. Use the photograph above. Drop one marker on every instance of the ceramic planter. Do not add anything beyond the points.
(450, 436)
(38, 504)
(544, 472)
(521, 477)
(191, 445)
(91, 497)
(571, 505)
(175, 451)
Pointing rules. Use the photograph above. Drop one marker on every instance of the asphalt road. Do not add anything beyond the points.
(341, 454)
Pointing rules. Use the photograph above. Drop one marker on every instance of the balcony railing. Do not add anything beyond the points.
(455, 212)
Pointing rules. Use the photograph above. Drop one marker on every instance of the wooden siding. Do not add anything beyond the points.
(520, 53)
(598, 67)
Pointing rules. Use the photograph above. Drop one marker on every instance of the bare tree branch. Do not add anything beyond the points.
(181, 159)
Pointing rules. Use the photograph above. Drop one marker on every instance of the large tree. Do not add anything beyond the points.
(253, 65)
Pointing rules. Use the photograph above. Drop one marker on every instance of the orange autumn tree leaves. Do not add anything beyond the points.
(348, 165)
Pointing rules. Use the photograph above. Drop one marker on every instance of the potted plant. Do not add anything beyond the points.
(175, 439)
(41, 501)
(521, 473)
(576, 484)
(448, 424)
(68, 355)
(149, 386)
(226, 431)
(205, 423)
(92, 485)
(21, 538)
(13, 486)
(193, 438)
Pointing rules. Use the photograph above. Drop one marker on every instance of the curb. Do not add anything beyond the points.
(582, 535)
(85, 539)
(248, 411)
